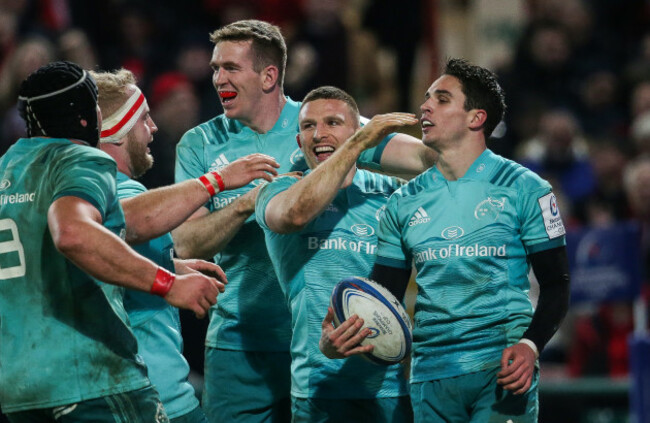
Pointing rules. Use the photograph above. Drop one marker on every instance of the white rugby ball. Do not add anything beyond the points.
(382, 313)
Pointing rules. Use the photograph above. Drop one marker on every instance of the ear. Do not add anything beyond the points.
(298, 140)
(270, 76)
(477, 118)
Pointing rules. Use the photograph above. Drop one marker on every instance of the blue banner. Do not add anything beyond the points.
(605, 263)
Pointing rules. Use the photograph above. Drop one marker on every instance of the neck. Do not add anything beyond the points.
(118, 154)
(271, 106)
(453, 162)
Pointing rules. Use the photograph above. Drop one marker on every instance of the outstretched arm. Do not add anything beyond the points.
(406, 156)
(551, 268)
(294, 208)
(156, 212)
(78, 233)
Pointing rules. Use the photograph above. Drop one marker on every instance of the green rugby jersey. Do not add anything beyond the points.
(156, 324)
(247, 316)
(340, 242)
(63, 335)
(468, 240)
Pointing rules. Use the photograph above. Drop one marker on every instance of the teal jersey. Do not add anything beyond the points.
(247, 316)
(64, 336)
(340, 242)
(469, 240)
(156, 324)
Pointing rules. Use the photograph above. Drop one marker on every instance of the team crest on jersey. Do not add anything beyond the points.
(296, 156)
(380, 212)
(4, 184)
(219, 163)
(490, 208)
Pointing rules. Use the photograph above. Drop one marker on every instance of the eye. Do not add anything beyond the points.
(305, 126)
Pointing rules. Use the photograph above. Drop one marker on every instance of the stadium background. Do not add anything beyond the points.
(577, 80)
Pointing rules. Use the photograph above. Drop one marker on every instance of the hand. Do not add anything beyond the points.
(343, 341)
(517, 368)
(194, 291)
(246, 203)
(246, 169)
(183, 267)
(379, 126)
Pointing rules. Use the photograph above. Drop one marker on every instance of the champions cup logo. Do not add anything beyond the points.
(489, 208)
(4, 184)
(361, 229)
(553, 205)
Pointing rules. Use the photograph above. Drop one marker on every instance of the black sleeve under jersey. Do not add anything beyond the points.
(551, 268)
(394, 279)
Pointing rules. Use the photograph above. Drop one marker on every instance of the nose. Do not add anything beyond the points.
(152, 126)
(218, 77)
(425, 107)
(319, 132)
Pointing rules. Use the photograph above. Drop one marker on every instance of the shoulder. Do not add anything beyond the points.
(75, 155)
(372, 182)
(510, 174)
(415, 185)
(215, 131)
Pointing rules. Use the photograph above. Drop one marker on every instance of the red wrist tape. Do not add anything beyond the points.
(208, 185)
(163, 283)
(217, 176)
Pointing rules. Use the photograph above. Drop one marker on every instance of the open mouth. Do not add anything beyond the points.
(322, 152)
(227, 96)
(425, 123)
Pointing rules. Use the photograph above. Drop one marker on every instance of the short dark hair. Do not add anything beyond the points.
(332, 93)
(268, 43)
(481, 89)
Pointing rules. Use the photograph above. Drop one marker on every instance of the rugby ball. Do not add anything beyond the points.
(382, 313)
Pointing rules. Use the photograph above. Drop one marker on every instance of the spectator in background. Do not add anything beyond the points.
(75, 46)
(328, 50)
(29, 55)
(559, 153)
(192, 59)
(175, 107)
(640, 134)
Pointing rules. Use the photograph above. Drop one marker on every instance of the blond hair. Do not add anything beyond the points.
(113, 89)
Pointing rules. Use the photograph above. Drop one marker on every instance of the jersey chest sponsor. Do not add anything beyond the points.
(342, 244)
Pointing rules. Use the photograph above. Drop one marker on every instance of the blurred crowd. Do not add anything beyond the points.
(577, 87)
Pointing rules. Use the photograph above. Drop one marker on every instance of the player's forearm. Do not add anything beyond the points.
(294, 208)
(205, 236)
(156, 212)
(552, 271)
(407, 157)
(99, 252)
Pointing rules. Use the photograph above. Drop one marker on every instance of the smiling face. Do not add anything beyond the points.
(444, 118)
(325, 125)
(239, 86)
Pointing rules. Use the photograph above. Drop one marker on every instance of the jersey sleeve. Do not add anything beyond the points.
(390, 249)
(371, 158)
(541, 223)
(90, 177)
(128, 188)
(189, 155)
(266, 194)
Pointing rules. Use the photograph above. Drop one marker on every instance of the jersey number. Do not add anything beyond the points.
(13, 245)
